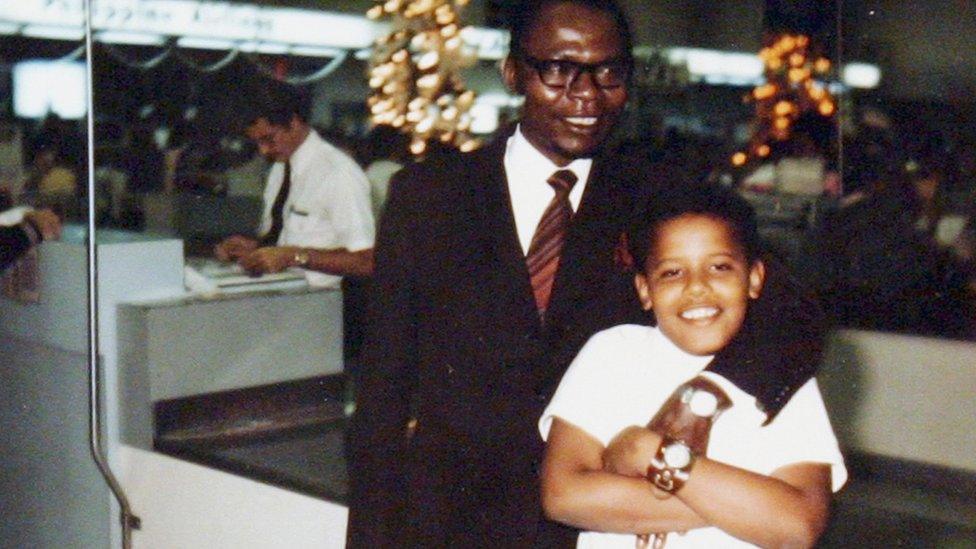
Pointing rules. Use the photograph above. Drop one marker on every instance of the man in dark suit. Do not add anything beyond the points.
(466, 342)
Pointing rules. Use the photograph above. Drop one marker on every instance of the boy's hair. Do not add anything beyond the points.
(522, 17)
(711, 200)
(275, 101)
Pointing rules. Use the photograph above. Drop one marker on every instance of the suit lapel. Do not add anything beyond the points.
(590, 240)
(511, 276)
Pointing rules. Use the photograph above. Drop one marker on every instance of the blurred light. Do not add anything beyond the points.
(53, 32)
(719, 67)
(739, 159)
(314, 51)
(764, 91)
(484, 117)
(198, 43)
(132, 38)
(783, 108)
(264, 47)
(500, 99)
(42, 87)
(488, 43)
(861, 75)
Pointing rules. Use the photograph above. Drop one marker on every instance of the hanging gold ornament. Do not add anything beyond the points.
(415, 77)
(789, 92)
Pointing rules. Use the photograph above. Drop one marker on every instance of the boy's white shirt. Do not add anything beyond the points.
(624, 374)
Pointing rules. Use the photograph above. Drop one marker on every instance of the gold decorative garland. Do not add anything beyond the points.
(791, 90)
(414, 74)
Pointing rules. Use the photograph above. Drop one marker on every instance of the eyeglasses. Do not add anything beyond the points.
(559, 73)
(268, 137)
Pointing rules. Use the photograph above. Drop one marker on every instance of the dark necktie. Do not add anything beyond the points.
(278, 209)
(547, 242)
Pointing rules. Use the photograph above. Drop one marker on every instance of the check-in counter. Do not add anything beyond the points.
(189, 345)
(156, 342)
(44, 405)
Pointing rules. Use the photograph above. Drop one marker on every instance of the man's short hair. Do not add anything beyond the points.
(522, 17)
(277, 102)
(708, 199)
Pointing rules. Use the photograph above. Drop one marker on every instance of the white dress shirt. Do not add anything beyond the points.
(328, 205)
(527, 171)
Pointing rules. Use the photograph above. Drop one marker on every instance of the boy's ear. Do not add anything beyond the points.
(757, 277)
(643, 291)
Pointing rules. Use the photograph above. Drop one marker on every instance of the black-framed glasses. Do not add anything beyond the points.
(559, 73)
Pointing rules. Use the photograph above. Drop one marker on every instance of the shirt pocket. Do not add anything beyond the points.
(308, 228)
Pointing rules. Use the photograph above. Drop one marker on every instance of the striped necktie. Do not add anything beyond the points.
(547, 242)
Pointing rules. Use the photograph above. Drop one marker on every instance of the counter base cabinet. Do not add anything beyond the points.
(51, 494)
(183, 504)
(181, 348)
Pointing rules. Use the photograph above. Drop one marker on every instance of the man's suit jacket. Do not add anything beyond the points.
(457, 367)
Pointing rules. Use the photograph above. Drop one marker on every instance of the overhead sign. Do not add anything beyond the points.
(217, 20)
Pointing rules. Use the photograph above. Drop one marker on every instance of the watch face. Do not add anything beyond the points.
(703, 403)
(677, 455)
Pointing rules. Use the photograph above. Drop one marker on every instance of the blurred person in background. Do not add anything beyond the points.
(386, 153)
(317, 213)
(869, 261)
(23, 228)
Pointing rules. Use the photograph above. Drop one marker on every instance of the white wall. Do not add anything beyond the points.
(903, 396)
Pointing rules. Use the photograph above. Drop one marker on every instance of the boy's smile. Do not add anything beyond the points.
(698, 282)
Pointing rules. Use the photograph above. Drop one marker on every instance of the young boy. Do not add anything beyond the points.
(697, 252)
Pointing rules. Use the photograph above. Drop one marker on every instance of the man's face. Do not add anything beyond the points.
(276, 142)
(571, 121)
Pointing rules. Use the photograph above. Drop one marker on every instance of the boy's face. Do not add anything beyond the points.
(698, 283)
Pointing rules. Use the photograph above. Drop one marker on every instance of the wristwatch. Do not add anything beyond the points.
(671, 465)
(301, 257)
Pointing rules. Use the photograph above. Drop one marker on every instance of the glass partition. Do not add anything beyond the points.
(817, 113)
(44, 339)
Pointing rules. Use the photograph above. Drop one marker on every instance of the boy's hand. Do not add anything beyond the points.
(630, 452)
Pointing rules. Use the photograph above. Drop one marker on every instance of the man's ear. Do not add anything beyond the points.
(643, 291)
(295, 122)
(510, 75)
(757, 277)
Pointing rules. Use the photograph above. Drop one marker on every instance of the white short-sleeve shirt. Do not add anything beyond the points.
(328, 204)
(623, 375)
